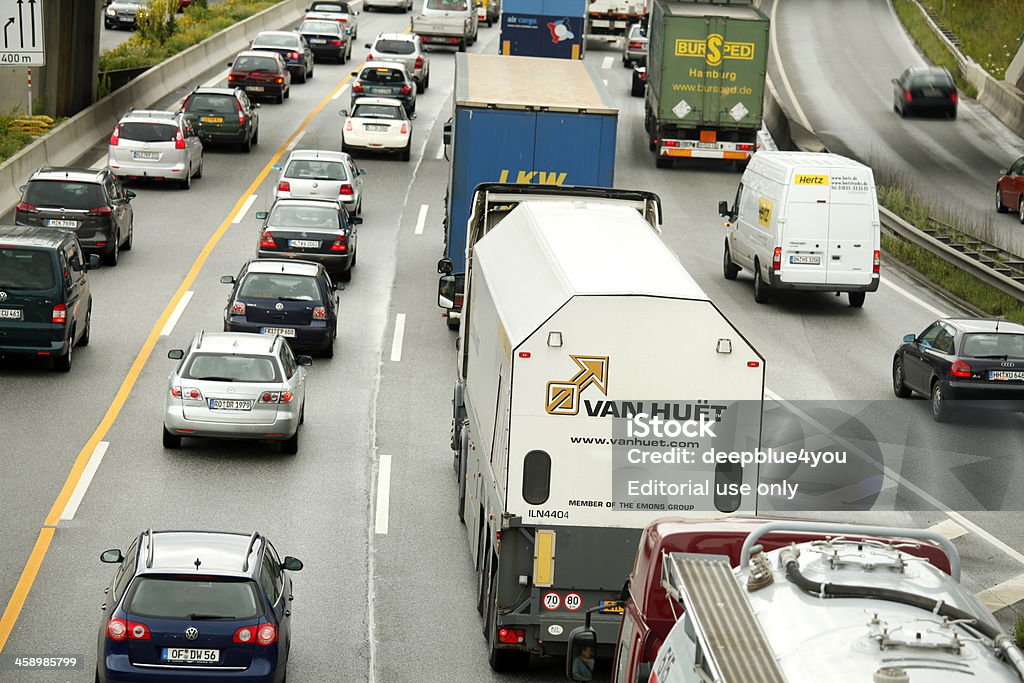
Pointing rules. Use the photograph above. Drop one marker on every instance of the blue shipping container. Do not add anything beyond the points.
(510, 126)
(544, 28)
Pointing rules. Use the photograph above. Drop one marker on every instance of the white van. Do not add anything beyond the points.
(806, 221)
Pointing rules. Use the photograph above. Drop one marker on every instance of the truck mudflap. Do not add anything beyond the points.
(734, 151)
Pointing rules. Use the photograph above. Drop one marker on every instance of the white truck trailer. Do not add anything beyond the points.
(590, 365)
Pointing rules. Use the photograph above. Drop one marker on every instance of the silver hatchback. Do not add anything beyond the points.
(233, 385)
(156, 144)
(321, 174)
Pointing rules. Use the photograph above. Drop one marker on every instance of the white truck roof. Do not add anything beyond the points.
(780, 165)
(602, 250)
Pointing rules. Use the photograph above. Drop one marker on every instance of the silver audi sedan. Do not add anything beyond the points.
(321, 174)
(233, 385)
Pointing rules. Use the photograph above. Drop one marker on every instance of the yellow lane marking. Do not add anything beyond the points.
(35, 560)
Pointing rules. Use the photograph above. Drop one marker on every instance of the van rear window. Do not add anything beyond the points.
(192, 598)
(64, 193)
(24, 268)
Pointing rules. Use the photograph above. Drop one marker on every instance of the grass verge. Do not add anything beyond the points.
(933, 48)
(989, 30)
(11, 140)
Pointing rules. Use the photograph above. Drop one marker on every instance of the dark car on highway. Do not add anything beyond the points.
(327, 40)
(223, 115)
(1010, 189)
(925, 89)
(292, 48)
(318, 230)
(261, 74)
(295, 299)
(196, 605)
(91, 203)
(959, 362)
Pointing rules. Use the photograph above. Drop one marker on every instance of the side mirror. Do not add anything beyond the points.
(368, 47)
(262, 215)
(723, 209)
(227, 279)
(355, 220)
(446, 292)
(175, 354)
(292, 564)
(1002, 172)
(579, 657)
(256, 105)
(112, 556)
(94, 262)
(230, 63)
(276, 167)
(362, 171)
(909, 338)
(304, 360)
(412, 116)
(447, 133)
(130, 195)
(444, 266)
(355, 74)
(22, 188)
(343, 113)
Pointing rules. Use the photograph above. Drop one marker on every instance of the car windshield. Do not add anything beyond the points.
(329, 7)
(25, 268)
(192, 598)
(980, 345)
(231, 368)
(213, 104)
(275, 41)
(316, 169)
(395, 47)
(312, 217)
(279, 286)
(377, 111)
(148, 132)
(253, 64)
(319, 27)
(447, 5)
(65, 194)
(382, 74)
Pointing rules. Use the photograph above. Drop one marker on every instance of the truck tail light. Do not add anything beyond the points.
(115, 137)
(284, 186)
(267, 241)
(346, 190)
(512, 636)
(960, 369)
(745, 147)
(670, 143)
(777, 258)
(59, 315)
(876, 261)
(339, 244)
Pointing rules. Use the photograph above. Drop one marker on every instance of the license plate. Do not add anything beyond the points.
(146, 155)
(304, 244)
(381, 91)
(805, 260)
(611, 608)
(376, 127)
(318, 41)
(187, 654)
(254, 88)
(211, 119)
(59, 223)
(707, 145)
(1006, 375)
(931, 92)
(229, 404)
(283, 331)
(10, 314)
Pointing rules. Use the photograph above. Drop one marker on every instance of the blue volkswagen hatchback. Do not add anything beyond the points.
(197, 606)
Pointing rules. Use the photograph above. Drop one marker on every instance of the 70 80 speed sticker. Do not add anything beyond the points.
(552, 600)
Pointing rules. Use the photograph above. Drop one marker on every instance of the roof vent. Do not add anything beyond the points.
(891, 674)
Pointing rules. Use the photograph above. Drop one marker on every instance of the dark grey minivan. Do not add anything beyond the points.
(45, 301)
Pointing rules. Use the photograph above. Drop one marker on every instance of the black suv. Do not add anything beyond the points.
(45, 301)
(91, 203)
(223, 115)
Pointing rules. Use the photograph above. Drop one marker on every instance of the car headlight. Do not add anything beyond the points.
(111, 12)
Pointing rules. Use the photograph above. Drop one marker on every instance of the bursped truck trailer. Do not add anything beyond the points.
(588, 359)
(522, 120)
(705, 80)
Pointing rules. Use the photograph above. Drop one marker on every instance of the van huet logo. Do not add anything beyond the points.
(715, 49)
(563, 396)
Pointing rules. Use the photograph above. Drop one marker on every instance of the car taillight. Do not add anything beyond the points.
(513, 636)
(634, 45)
(346, 189)
(267, 240)
(342, 21)
(339, 244)
(293, 55)
(137, 631)
(643, 76)
(179, 141)
(232, 78)
(286, 397)
(357, 86)
(876, 261)
(348, 125)
(270, 397)
(246, 634)
(241, 114)
(960, 369)
(26, 207)
(953, 96)
(117, 629)
(187, 393)
(266, 635)
(906, 96)
(60, 314)
(279, 80)
(115, 137)
(284, 186)
(336, 43)
(405, 128)
(238, 308)
(419, 62)
(320, 313)
(406, 89)
(369, 57)
(100, 211)
(777, 258)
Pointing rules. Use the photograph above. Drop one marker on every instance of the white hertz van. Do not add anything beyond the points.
(807, 221)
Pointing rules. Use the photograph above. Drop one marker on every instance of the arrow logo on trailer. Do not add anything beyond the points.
(563, 397)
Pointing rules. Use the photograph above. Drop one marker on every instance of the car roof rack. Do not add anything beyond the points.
(199, 339)
(149, 550)
(252, 541)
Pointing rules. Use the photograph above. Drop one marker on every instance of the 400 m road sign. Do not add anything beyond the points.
(22, 40)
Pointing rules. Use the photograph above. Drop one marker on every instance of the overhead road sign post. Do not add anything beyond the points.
(22, 41)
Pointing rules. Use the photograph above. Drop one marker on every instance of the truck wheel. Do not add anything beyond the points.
(663, 162)
(761, 291)
(462, 45)
(856, 299)
(729, 269)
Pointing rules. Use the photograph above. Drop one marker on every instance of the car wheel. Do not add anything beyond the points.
(345, 275)
(171, 441)
(407, 152)
(462, 46)
(311, 69)
(419, 87)
(899, 386)
(329, 351)
(940, 406)
(127, 246)
(84, 339)
(856, 299)
(1000, 207)
(256, 136)
(903, 112)
(761, 291)
(952, 114)
(111, 258)
(186, 182)
(359, 207)
(287, 92)
(62, 363)
(1020, 211)
(729, 269)
(301, 78)
(302, 414)
(290, 446)
(247, 145)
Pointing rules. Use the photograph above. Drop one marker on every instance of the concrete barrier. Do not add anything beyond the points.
(78, 134)
(1003, 99)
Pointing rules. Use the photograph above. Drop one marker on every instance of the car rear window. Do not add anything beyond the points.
(316, 169)
(447, 5)
(275, 41)
(395, 47)
(148, 132)
(192, 598)
(64, 193)
(25, 268)
(313, 217)
(382, 74)
(932, 80)
(252, 64)
(377, 111)
(214, 104)
(279, 286)
(319, 27)
(979, 345)
(231, 368)
(329, 7)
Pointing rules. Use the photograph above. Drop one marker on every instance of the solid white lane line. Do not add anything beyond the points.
(245, 209)
(341, 91)
(295, 140)
(396, 343)
(421, 219)
(607, 63)
(178, 310)
(920, 302)
(971, 526)
(83, 484)
(948, 528)
(380, 523)
(782, 72)
(1003, 594)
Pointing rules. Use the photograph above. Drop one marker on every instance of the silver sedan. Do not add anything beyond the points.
(320, 174)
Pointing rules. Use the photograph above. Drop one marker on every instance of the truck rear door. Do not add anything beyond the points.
(803, 235)
(852, 227)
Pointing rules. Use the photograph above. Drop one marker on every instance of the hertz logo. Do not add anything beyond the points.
(715, 49)
(764, 211)
(809, 179)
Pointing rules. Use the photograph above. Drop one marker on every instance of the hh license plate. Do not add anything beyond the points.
(254, 88)
(145, 155)
(611, 607)
(10, 314)
(1003, 375)
(187, 654)
(283, 331)
(304, 244)
(805, 260)
(211, 119)
(59, 223)
(229, 404)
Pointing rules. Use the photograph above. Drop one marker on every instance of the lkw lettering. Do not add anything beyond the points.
(534, 177)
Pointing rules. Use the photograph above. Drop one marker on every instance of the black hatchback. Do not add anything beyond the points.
(294, 299)
(969, 363)
(926, 89)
